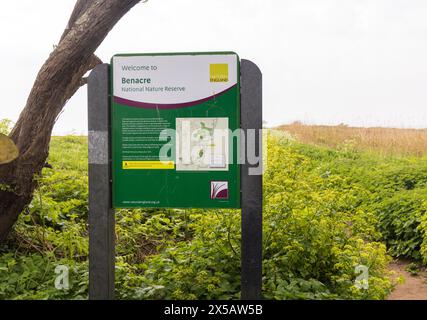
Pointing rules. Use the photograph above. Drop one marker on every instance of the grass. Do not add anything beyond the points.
(384, 141)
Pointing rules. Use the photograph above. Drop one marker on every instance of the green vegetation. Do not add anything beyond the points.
(5, 126)
(326, 211)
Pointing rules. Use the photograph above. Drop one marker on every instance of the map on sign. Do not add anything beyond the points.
(202, 144)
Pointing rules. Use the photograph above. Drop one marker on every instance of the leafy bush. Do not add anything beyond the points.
(314, 237)
(325, 213)
(392, 188)
(399, 220)
(423, 229)
(32, 277)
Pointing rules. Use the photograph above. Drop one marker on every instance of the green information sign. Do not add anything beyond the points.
(174, 119)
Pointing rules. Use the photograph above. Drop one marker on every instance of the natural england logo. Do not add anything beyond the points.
(218, 72)
(219, 189)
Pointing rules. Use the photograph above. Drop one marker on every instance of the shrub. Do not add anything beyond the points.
(320, 223)
(399, 220)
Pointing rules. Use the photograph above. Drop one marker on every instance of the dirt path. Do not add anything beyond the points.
(414, 287)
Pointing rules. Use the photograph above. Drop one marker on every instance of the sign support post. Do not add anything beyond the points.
(101, 213)
(251, 119)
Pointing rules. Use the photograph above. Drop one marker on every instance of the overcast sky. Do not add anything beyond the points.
(359, 62)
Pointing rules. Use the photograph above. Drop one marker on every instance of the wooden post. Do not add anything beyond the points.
(101, 214)
(251, 120)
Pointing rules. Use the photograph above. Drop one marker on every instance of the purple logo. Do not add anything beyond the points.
(219, 189)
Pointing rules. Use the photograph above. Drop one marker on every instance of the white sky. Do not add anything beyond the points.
(360, 62)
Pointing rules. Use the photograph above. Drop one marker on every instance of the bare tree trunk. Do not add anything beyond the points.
(57, 81)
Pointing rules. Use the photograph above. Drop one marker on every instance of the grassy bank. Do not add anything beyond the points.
(386, 141)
